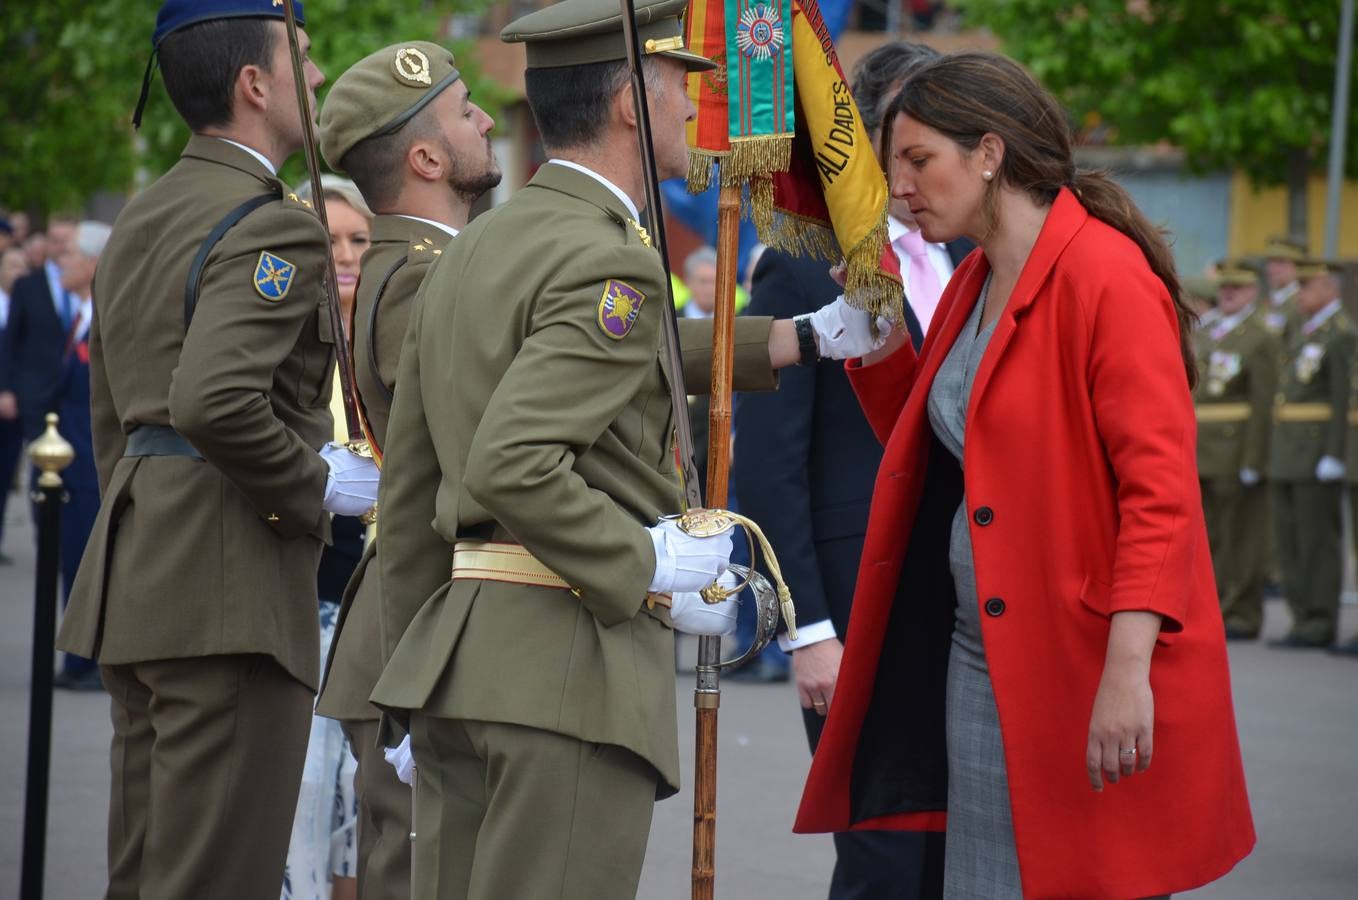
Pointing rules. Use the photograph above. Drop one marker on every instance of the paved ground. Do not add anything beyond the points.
(1298, 717)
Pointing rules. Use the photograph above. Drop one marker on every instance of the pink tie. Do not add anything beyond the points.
(924, 288)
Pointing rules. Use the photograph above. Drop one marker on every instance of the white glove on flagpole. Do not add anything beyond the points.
(684, 562)
(351, 485)
(1329, 469)
(402, 760)
(843, 332)
(691, 614)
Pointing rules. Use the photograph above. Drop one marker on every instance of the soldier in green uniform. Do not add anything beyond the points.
(402, 125)
(1306, 459)
(529, 632)
(1281, 256)
(1238, 362)
(211, 361)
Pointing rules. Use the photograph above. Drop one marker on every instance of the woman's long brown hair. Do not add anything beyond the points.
(967, 95)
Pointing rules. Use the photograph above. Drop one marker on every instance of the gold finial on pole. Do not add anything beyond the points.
(51, 453)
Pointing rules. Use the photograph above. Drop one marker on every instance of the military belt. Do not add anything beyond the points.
(512, 563)
(158, 440)
(1223, 412)
(1303, 412)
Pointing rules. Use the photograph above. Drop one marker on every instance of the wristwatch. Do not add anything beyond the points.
(806, 341)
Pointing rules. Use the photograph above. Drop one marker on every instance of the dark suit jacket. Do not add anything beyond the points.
(805, 458)
(31, 363)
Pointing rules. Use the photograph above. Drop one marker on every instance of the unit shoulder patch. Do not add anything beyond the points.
(618, 308)
(273, 276)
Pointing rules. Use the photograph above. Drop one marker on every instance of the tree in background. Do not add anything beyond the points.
(1235, 84)
(71, 71)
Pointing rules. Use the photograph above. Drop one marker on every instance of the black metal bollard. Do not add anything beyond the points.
(50, 453)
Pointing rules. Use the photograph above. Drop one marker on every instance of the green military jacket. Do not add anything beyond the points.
(534, 408)
(1237, 378)
(1310, 415)
(391, 271)
(1351, 462)
(199, 557)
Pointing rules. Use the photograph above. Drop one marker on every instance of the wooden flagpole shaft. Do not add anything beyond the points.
(707, 694)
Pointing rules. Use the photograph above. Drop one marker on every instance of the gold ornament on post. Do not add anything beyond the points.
(51, 453)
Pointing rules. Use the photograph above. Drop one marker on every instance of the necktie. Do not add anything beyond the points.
(923, 280)
(66, 310)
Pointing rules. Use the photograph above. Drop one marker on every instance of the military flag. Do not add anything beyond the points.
(777, 115)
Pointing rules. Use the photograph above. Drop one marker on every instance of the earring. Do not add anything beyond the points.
(987, 174)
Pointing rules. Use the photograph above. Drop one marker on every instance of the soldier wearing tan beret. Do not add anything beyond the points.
(1307, 459)
(1238, 374)
(401, 123)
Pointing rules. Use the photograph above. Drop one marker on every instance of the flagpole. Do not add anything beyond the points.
(707, 695)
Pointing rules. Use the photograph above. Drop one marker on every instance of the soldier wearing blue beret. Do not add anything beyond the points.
(211, 361)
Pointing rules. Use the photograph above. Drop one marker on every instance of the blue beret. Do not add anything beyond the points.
(177, 14)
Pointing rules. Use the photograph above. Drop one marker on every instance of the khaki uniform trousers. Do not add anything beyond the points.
(383, 817)
(505, 811)
(1308, 524)
(1238, 533)
(207, 761)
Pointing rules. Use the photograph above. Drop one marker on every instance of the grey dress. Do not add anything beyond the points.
(981, 861)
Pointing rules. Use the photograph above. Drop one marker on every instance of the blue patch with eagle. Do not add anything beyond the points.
(273, 276)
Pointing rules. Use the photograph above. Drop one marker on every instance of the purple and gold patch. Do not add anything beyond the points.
(619, 308)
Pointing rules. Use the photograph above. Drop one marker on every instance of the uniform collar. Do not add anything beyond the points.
(613, 188)
(394, 228)
(1284, 293)
(1226, 325)
(1321, 317)
(230, 153)
(263, 160)
(451, 231)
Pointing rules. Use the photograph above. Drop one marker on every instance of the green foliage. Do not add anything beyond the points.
(1233, 83)
(70, 71)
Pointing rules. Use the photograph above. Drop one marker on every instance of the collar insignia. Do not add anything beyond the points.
(641, 232)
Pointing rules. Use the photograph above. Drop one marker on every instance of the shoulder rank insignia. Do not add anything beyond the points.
(273, 276)
(641, 231)
(618, 308)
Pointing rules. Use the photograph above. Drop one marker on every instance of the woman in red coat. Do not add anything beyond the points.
(1036, 658)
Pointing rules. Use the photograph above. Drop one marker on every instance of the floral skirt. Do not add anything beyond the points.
(325, 830)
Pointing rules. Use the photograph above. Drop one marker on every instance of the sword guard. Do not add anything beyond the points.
(712, 522)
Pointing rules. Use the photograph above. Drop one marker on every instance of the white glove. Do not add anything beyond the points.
(1329, 469)
(843, 332)
(402, 760)
(1249, 477)
(684, 562)
(351, 486)
(692, 614)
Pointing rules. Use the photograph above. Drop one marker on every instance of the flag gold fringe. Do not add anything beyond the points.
(700, 164)
(755, 156)
(866, 286)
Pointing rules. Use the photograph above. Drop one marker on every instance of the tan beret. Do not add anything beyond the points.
(1279, 247)
(380, 93)
(1233, 273)
(577, 32)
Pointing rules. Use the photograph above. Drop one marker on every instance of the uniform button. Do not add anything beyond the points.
(994, 607)
(984, 516)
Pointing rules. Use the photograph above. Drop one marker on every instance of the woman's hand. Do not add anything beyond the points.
(1122, 725)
